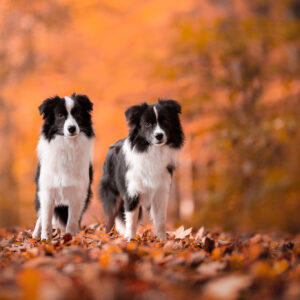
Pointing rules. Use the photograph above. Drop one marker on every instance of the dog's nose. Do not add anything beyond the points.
(159, 136)
(72, 128)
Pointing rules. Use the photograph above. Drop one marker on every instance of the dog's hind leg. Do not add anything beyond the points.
(60, 218)
(120, 218)
(109, 199)
(110, 213)
(58, 224)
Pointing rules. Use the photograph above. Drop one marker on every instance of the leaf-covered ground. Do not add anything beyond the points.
(200, 265)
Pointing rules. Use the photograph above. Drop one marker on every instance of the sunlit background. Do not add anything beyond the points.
(233, 65)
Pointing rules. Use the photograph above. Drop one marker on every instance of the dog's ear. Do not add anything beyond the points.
(47, 106)
(170, 104)
(133, 114)
(85, 102)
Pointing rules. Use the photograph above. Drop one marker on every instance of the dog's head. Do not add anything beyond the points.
(157, 124)
(68, 116)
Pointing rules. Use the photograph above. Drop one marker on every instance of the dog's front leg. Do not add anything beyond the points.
(37, 229)
(46, 213)
(131, 217)
(158, 213)
(75, 210)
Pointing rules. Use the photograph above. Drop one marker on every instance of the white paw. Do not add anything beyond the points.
(36, 235)
(161, 236)
(45, 236)
(129, 237)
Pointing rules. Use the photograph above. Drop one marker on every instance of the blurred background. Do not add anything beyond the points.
(234, 66)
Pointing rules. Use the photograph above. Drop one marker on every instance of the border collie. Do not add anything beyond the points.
(64, 172)
(138, 170)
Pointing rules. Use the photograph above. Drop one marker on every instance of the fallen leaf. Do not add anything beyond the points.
(67, 237)
(200, 234)
(227, 287)
(211, 268)
(209, 244)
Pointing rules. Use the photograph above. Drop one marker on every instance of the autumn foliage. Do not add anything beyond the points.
(233, 65)
(235, 68)
(189, 265)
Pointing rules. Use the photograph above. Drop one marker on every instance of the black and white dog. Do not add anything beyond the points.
(64, 172)
(138, 170)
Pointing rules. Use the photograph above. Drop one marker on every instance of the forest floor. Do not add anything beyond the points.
(189, 265)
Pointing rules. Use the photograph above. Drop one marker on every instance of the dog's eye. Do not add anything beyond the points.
(61, 116)
(148, 125)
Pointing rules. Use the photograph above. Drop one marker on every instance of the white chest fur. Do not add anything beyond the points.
(65, 161)
(147, 171)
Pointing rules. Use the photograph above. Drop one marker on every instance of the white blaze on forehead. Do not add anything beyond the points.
(155, 112)
(157, 129)
(70, 121)
(69, 104)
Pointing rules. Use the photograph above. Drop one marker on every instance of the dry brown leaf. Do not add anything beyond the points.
(214, 264)
(209, 244)
(179, 230)
(183, 233)
(200, 234)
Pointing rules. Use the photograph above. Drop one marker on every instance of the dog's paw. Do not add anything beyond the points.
(36, 235)
(161, 236)
(129, 237)
(46, 236)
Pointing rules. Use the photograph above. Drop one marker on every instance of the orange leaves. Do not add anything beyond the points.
(264, 269)
(104, 259)
(207, 264)
(29, 281)
(67, 237)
